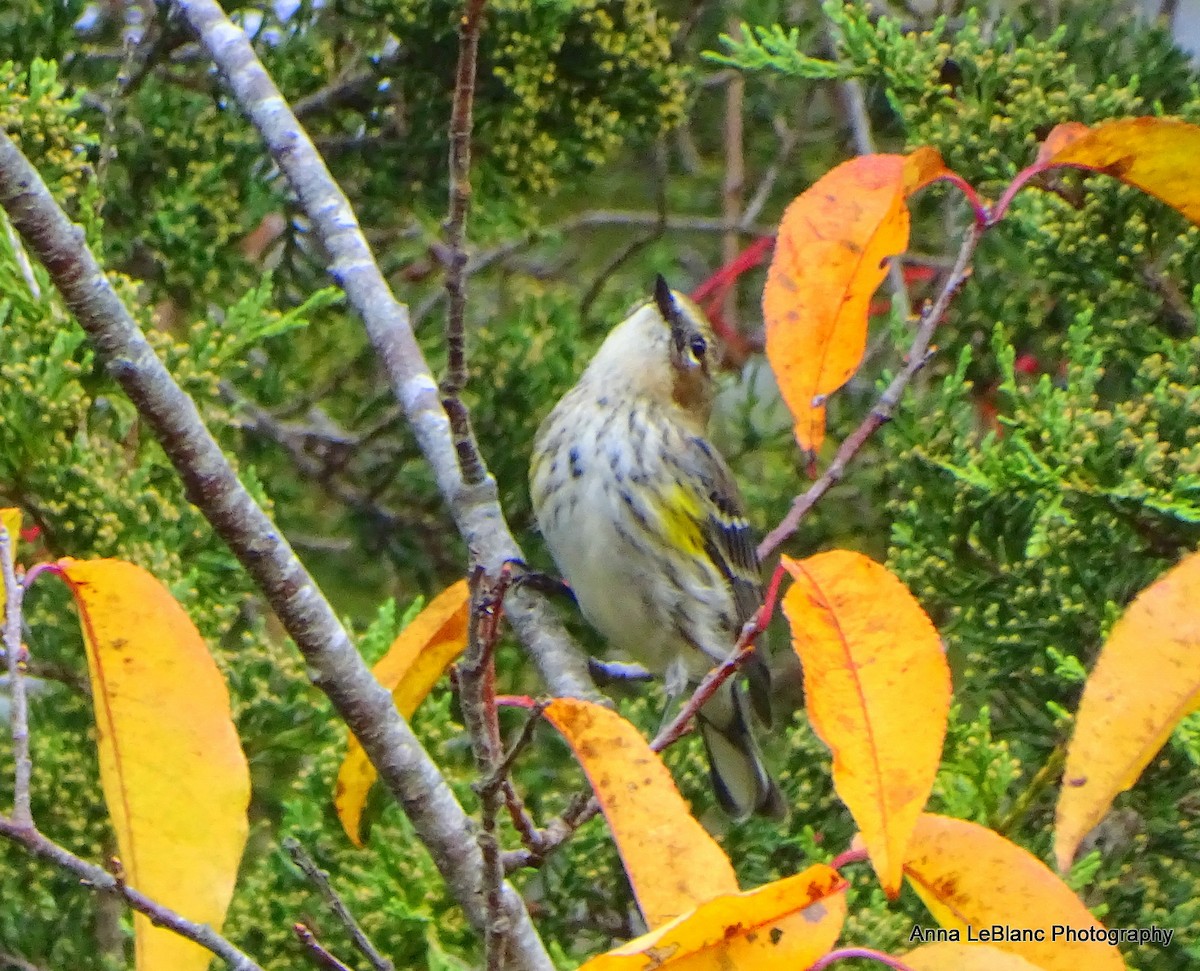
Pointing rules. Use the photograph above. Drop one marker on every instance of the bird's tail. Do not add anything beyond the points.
(739, 777)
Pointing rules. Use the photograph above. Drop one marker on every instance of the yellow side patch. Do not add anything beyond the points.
(681, 516)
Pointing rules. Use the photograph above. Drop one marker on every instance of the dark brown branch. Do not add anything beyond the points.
(475, 508)
(477, 689)
(320, 879)
(526, 828)
(349, 88)
(100, 880)
(332, 447)
(14, 592)
(917, 357)
(461, 122)
(212, 485)
(585, 805)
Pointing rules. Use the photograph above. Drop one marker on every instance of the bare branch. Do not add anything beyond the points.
(14, 593)
(862, 953)
(100, 880)
(855, 104)
(349, 87)
(320, 879)
(477, 688)
(475, 508)
(733, 184)
(320, 955)
(212, 485)
(461, 120)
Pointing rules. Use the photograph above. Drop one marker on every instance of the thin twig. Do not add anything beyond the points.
(846, 857)
(854, 101)
(532, 837)
(321, 955)
(670, 733)
(733, 183)
(14, 593)
(331, 444)
(100, 880)
(211, 484)
(477, 690)
(1045, 776)
(918, 355)
(788, 138)
(585, 805)
(22, 258)
(634, 246)
(461, 120)
(349, 86)
(866, 953)
(593, 219)
(320, 879)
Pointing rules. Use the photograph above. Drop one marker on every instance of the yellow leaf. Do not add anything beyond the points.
(948, 956)
(409, 670)
(672, 863)
(1146, 680)
(1158, 155)
(971, 877)
(830, 255)
(783, 926)
(10, 519)
(172, 770)
(877, 691)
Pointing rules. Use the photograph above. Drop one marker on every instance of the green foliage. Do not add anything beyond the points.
(43, 120)
(1047, 472)
(392, 885)
(1023, 509)
(773, 47)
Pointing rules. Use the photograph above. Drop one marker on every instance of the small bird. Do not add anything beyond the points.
(645, 522)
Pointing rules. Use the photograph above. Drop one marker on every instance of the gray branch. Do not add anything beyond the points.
(475, 508)
(212, 485)
(102, 881)
(14, 592)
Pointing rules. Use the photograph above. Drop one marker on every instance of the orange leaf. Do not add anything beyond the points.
(877, 687)
(947, 956)
(1158, 155)
(172, 770)
(1146, 680)
(10, 519)
(922, 167)
(830, 256)
(783, 926)
(672, 862)
(409, 670)
(971, 877)
(1060, 138)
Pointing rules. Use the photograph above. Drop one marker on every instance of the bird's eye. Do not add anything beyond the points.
(698, 346)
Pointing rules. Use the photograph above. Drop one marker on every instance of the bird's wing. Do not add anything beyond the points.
(730, 542)
(727, 535)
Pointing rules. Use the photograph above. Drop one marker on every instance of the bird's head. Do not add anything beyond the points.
(666, 351)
